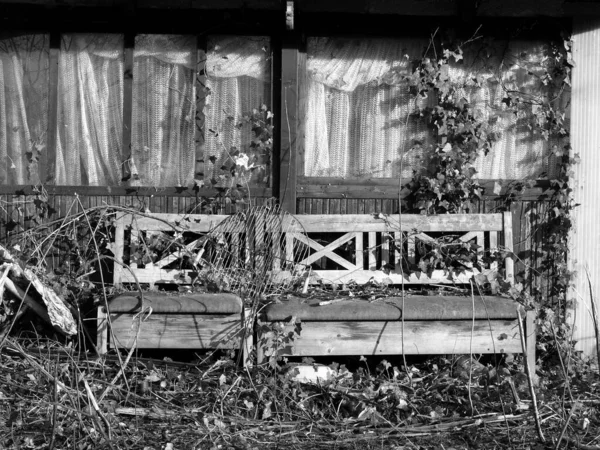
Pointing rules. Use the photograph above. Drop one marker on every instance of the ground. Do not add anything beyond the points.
(52, 397)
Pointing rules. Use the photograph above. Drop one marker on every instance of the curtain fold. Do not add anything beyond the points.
(24, 72)
(239, 84)
(512, 67)
(90, 110)
(164, 109)
(358, 123)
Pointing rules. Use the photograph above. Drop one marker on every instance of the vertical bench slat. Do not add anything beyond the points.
(359, 250)
(118, 251)
(508, 244)
(493, 247)
(289, 246)
(385, 249)
(411, 255)
(372, 250)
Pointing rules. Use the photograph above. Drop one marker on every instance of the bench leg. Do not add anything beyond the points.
(102, 331)
(530, 336)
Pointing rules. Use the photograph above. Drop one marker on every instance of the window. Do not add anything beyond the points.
(361, 121)
(194, 110)
(24, 71)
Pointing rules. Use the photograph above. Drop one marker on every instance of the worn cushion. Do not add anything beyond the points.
(388, 309)
(165, 303)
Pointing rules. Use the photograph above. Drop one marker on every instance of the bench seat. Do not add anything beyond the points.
(423, 325)
(418, 307)
(166, 321)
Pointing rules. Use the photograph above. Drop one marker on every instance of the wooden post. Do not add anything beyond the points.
(293, 66)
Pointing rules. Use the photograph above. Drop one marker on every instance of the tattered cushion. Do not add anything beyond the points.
(162, 303)
(388, 309)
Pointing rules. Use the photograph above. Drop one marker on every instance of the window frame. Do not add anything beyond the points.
(129, 23)
(319, 25)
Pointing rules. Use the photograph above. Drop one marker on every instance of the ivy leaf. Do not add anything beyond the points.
(497, 188)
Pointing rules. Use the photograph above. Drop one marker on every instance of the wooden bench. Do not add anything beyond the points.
(343, 249)
(175, 318)
(361, 249)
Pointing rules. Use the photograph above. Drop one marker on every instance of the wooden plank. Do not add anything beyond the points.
(387, 188)
(372, 250)
(411, 250)
(385, 248)
(364, 276)
(384, 338)
(178, 254)
(508, 245)
(290, 58)
(178, 331)
(327, 251)
(289, 246)
(119, 248)
(366, 223)
(530, 338)
(359, 250)
(198, 223)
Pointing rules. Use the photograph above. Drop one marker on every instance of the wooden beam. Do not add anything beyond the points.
(387, 188)
(383, 338)
(178, 331)
(345, 223)
(290, 60)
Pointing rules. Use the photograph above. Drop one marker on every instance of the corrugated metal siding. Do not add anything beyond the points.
(585, 131)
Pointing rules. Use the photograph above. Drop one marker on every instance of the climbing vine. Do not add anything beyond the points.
(448, 183)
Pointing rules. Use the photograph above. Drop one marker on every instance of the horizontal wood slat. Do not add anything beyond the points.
(384, 277)
(178, 331)
(200, 223)
(381, 338)
(344, 223)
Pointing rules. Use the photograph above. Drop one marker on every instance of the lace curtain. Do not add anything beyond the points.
(90, 110)
(358, 123)
(238, 81)
(517, 67)
(164, 110)
(23, 107)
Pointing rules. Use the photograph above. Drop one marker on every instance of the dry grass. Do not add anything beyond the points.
(51, 397)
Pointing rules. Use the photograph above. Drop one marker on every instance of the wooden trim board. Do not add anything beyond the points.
(384, 338)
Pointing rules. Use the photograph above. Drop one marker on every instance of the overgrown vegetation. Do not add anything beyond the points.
(448, 183)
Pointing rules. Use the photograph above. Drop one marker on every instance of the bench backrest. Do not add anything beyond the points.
(375, 242)
(338, 248)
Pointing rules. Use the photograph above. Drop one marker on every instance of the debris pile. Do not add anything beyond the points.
(22, 289)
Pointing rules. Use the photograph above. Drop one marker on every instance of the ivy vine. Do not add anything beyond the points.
(447, 182)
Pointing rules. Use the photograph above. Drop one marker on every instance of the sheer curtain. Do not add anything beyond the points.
(164, 110)
(90, 110)
(358, 123)
(516, 67)
(238, 81)
(23, 107)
